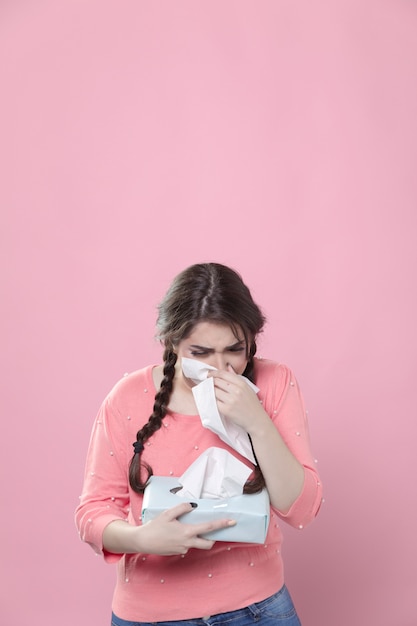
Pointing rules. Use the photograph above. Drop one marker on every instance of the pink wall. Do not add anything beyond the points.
(277, 136)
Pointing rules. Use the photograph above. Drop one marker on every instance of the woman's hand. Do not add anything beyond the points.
(236, 400)
(164, 535)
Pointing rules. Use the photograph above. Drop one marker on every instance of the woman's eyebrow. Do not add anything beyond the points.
(235, 345)
(201, 348)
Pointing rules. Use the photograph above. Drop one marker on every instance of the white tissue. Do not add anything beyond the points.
(205, 399)
(214, 474)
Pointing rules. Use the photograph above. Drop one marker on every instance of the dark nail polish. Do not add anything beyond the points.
(194, 505)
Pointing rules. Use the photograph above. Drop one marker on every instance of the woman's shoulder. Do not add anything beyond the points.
(132, 386)
(266, 369)
(274, 380)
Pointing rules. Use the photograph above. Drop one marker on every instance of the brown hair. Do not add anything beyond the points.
(202, 292)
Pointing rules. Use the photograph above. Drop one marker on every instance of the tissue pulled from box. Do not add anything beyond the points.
(214, 474)
(205, 399)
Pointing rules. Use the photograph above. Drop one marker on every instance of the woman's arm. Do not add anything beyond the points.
(164, 535)
(103, 511)
(280, 441)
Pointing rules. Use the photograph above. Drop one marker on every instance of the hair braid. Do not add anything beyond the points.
(153, 424)
(257, 482)
(250, 366)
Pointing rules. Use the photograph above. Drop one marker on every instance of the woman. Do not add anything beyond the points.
(166, 570)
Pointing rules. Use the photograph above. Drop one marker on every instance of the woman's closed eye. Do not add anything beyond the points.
(203, 353)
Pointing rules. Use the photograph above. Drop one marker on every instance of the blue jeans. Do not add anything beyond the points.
(278, 610)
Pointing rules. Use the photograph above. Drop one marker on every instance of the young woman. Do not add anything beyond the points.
(166, 570)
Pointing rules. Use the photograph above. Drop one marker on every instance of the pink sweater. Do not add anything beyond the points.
(154, 588)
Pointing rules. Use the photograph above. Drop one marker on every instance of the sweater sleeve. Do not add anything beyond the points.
(105, 495)
(284, 403)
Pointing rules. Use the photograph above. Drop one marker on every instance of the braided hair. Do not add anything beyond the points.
(154, 423)
(202, 292)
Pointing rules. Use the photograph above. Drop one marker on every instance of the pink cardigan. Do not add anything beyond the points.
(153, 588)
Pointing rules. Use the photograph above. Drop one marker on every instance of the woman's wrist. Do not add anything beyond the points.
(120, 537)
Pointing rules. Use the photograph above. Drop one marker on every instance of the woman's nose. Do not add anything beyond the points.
(219, 361)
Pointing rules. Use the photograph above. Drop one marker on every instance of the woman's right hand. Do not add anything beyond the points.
(164, 535)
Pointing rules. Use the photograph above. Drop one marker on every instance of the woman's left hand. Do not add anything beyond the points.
(236, 400)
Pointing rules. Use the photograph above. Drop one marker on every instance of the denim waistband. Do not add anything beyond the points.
(278, 607)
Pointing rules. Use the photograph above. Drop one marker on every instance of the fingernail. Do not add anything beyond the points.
(194, 505)
(231, 522)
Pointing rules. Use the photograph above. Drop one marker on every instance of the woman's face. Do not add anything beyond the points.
(215, 344)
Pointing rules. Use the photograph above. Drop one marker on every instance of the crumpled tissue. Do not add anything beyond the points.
(205, 399)
(214, 474)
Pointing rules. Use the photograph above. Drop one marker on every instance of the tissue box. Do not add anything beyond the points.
(251, 511)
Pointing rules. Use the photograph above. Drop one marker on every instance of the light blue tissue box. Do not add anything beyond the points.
(250, 511)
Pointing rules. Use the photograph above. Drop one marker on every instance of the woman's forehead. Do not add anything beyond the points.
(210, 333)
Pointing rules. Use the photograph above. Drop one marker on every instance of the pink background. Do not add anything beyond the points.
(279, 137)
